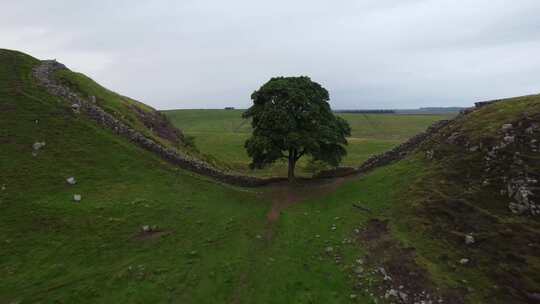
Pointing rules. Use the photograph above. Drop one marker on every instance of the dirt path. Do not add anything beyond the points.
(285, 194)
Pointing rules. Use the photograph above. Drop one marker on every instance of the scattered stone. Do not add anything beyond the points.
(352, 296)
(473, 148)
(258, 236)
(76, 108)
(359, 261)
(77, 198)
(146, 228)
(509, 139)
(517, 208)
(464, 261)
(329, 249)
(391, 293)
(452, 139)
(71, 180)
(469, 239)
(403, 296)
(38, 145)
(359, 270)
(506, 127)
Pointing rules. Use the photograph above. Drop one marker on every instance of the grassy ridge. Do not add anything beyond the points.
(222, 133)
(56, 250)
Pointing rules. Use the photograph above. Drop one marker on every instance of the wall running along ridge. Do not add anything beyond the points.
(44, 73)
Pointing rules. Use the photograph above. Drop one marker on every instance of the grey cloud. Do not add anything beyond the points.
(369, 54)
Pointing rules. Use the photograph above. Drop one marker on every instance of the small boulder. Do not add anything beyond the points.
(469, 239)
(509, 139)
(517, 208)
(71, 180)
(76, 108)
(506, 127)
(38, 145)
(391, 293)
(329, 249)
(464, 261)
(77, 198)
(146, 228)
(403, 296)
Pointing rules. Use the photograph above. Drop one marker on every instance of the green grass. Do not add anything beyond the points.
(221, 135)
(56, 250)
(53, 250)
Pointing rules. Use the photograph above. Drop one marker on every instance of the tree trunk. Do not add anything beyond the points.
(292, 164)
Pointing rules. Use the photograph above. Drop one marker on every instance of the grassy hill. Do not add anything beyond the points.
(221, 134)
(146, 231)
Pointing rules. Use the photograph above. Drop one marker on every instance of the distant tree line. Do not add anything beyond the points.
(366, 111)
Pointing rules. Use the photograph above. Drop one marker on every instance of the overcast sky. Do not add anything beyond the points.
(211, 54)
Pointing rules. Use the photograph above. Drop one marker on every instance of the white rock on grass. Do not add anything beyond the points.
(506, 127)
(391, 293)
(469, 239)
(464, 261)
(71, 180)
(77, 198)
(38, 145)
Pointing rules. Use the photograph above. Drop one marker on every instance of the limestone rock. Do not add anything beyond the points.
(506, 127)
(38, 145)
(469, 239)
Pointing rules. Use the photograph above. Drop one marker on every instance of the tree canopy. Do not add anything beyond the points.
(291, 117)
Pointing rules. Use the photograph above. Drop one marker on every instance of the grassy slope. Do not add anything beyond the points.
(55, 250)
(451, 199)
(123, 108)
(222, 133)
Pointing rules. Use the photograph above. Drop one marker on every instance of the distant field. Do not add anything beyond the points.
(221, 135)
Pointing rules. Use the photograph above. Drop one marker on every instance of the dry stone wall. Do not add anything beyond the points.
(44, 74)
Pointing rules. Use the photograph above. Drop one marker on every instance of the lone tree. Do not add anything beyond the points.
(291, 118)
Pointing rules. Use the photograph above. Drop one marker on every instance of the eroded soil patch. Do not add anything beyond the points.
(400, 278)
(151, 235)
